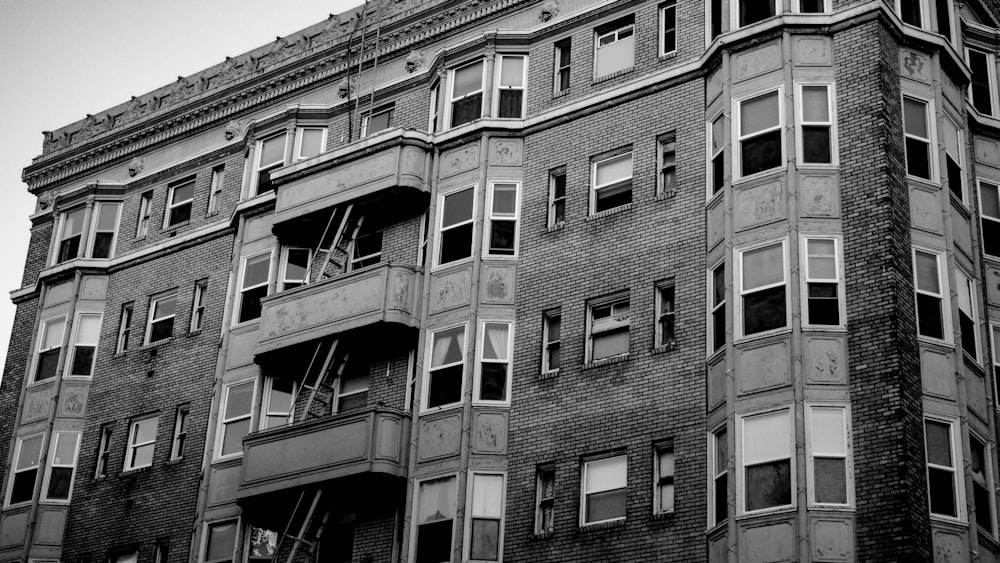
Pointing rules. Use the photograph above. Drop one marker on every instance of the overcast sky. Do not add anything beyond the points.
(63, 59)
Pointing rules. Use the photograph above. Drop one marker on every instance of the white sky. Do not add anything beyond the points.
(63, 59)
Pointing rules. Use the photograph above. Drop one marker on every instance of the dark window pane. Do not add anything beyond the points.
(669, 29)
(910, 11)
(716, 18)
(181, 214)
(991, 237)
(753, 11)
(929, 316)
(983, 498)
(982, 99)
(250, 307)
(102, 245)
(485, 539)
(968, 331)
(942, 489)
(554, 357)
(762, 152)
(23, 486)
(667, 329)
(352, 402)
(466, 110)
(83, 360)
(764, 310)
(564, 79)
(816, 144)
(456, 243)
(718, 173)
(613, 196)
(69, 248)
(917, 159)
(606, 505)
(233, 440)
(721, 498)
(943, 18)
(502, 237)
(811, 6)
(560, 212)
(493, 382)
(47, 363)
(719, 328)
(161, 329)
(342, 546)
(831, 480)
(769, 484)
(60, 479)
(954, 176)
(824, 308)
(445, 386)
(510, 103)
(434, 542)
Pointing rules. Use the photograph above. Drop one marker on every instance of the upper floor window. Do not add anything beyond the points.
(666, 156)
(179, 203)
(220, 541)
(295, 263)
(446, 374)
(764, 459)
(485, 519)
(279, 393)
(466, 100)
(557, 198)
(198, 305)
(270, 155)
(366, 248)
(502, 220)
(352, 389)
(615, 48)
(912, 11)
(563, 58)
(813, 6)
(254, 280)
(124, 328)
(493, 381)
(552, 322)
(611, 182)
(930, 288)
(718, 472)
(917, 136)
(717, 307)
(215, 190)
(968, 320)
(716, 151)
(145, 210)
(73, 241)
(162, 310)
(763, 281)
(545, 499)
(49, 346)
(714, 19)
(816, 140)
(435, 520)
(309, 142)
(608, 328)
(432, 120)
(665, 313)
(827, 455)
(180, 432)
(823, 283)
(605, 490)
(989, 213)
(944, 482)
(749, 12)
(981, 460)
(236, 414)
(759, 144)
(512, 75)
(105, 230)
(58, 482)
(70, 234)
(377, 120)
(918, 14)
(141, 443)
(25, 469)
(103, 451)
(663, 480)
(983, 89)
(668, 27)
(954, 156)
(455, 225)
(84, 352)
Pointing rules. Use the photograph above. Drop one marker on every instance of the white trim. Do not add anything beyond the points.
(440, 229)
(991, 79)
(982, 213)
(713, 307)
(480, 346)
(469, 516)
(240, 290)
(847, 456)
(132, 445)
(71, 353)
(583, 489)
(710, 156)
(612, 323)
(39, 338)
(737, 132)
(947, 329)
(415, 510)
(666, 5)
(594, 187)
(220, 433)
(807, 278)
(490, 217)
(299, 136)
(53, 446)
(830, 123)
(13, 469)
(741, 418)
(738, 309)
(171, 204)
(497, 86)
(428, 366)
(451, 91)
(153, 300)
(956, 469)
(92, 238)
(932, 148)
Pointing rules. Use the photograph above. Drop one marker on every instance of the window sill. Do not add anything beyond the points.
(170, 230)
(557, 227)
(619, 523)
(764, 335)
(668, 56)
(136, 470)
(615, 74)
(763, 174)
(195, 332)
(176, 461)
(548, 374)
(99, 478)
(121, 354)
(784, 509)
(560, 93)
(663, 516)
(612, 211)
(157, 344)
(664, 348)
(231, 460)
(607, 362)
(666, 195)
(543, 535)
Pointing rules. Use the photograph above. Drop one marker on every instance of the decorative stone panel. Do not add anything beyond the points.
(962, 233)
(489, 432)
(506, 152)
(758, 205)
(819, 196)
(51, 523)
(832, 540)
(12, 528)
(915, 65)
(925, 210)
(987, 151)
(498, 285)
(992, 284)
(949, 547)
(459, 160)
(223, 483)
(762, 367)
(94, 287)
(755, 62)
(826, 361)
(976, 393)
(440, 436)
(37, 403)
(717, 382)
(813, 51)
(59, 293)
(768, 543)
(716, 222)
(938, 374)
(450, 290)
(718, 549)
(73, 401)
(713, 87)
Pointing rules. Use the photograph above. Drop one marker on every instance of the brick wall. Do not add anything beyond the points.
(18, 356)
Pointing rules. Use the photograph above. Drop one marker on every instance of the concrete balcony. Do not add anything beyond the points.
(387, 293)
(369, 442)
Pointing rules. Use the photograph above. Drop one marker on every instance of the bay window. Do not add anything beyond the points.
(760, 145)
(466, 98)
(493, 379)
(70, 234)
(930, 288)
(435, 518)
(763, 281)
(455, 225)
(511, 81)
(764, 458)
(446, 372)
(48, 347)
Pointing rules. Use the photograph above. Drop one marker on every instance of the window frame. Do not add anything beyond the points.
(435, 111)
(150, 320)
(299, 137)
(450, 107)
(480, 348)
(659, 480)
(961, 141)
(498, 87)
(240, 290)
(178, 440)
(283, 268)
(564, 45)
(428, 354)
(542, 501)
(811, 454)
(92, 237)
(932, 147)
(265, 409)
(173, 205)
(71, 353)
(469, 516)
(39, 338)
(662, 166)
(807, 278)
(741, 489)
(491, 216)
(82, 246)
(957, 469)
(103, 459)
(971, 286)
(198, 306)
(710, 173)
(53, 446)
(831, 123)
(132, 445)
(215, 189)
(584, 467)
(738, 309)
(124, 327)
(925, 12)
(612, 300)
(552, 220)
(661, 29)
(595, 162)
(439, 228)
(258, 168)
(547, 344)
(366, 119)
(738, 138)
(614, 28)
(145, 215)
(734, 14)
(658, 288)
(990, 485)
(339, 393)
(415, 522)
(982, 212)
(944, 284)
(15, 460)
(220, 432)
(714, 308)
(797, 8)
(991, 80)
(203, 549)
(720, 432)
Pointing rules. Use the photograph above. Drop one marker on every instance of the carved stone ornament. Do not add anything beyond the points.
(549, 10)
(135, 166)
(45, 200)
(414, 61)
(344, 88)
(234, 128)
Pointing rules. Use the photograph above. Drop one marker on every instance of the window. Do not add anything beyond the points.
(917, 136)
(103, 451)
(215, 190)
(827, 458)
(124, 328)
(604, 490)
(162, 310)
(765, 460)
(58, 484)
(550, 342)
(665, 313)
(378, 120)
(180, 432)
(545, 498)
(823, 286)
(25, 470)
(432, 124)
(608, 334)
(263, 545)
(615, 47)
(85, 335)
(943, 481)
(447, 368)
(749, 12)
(719, 477)
(911, 11)
(493, 371)
(435, 519)
(236, 416)
(141, 442)
(179, 203)
(717, 170)
(220, 541)
(198, 305)
(666, 156)
(562, 65)
(466, 93)
(503, 205)
(145, 210)
(50, 338)
(812, 7)
(715, 19)
(352, 391)
(944, 9)
(279, 394)
(162, 548)
(310, 142)
(759, 136)
(70, 234)
(455, 225)
(253, 286)
(295, 263)
(763, 297)
(511, 78)
(954, 151)
(663, 479)
(717, 312)
(105, 230)
(984, 80)
(968, 321)
(668, 27)
(816, 139)
(124, 557)
(989, 212)
(270, 155)
(611, 182)
(930, 288)
(366, 248)
(982, 483)
(485, 523)
(557, 198)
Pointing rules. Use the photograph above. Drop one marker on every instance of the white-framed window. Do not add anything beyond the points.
(764, 460)
(913, 12)
(968, 319)
(551, 329)
(58, 482)
(278, 396)
(270, 155)
(24, 470)
(504, 205)
(352, 389)
(141, 443)
(105, 232)
(762, 278)
(309, 142)
(717, 307)
(295, 263)
(663, 478)
(829, 470)
(220, 540)
(378, 120)
(180, 201)
(989, 214)
(665, 313)
(198, 305)
(666, 163)
(366, 248)
(823, 290)
(945, 483)
(608, 321)
(511, 79)
(983, 88)
(817, 138)
(931, 287)
(718, 476)
(254, 277)
(759, 132)
(145, 211)
(749, 12)
(103, 451)
(954, 153)
(236, 413)
(493, 363)
(180, 432)
(455, 225)
(668, 27)
(604, 490)
(465, 103)
(70, 234)
(162, 310)
(716, 155)
(48, 348)
(432, 119)
(557, 198)
(484, 519)
(918, 132)
(124, 328)
(714, 20)
(563, 61)
(86, 333)
(215, 190)
(435, 519)
(446, 372)
(611, 182)
(545, 499)
(981, 466)
(614, 48)
(812, 6)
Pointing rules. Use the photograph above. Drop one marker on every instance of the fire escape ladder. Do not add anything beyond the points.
(311, 529)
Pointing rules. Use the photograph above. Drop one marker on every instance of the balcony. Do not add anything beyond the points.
(370, 442)
(377, 295)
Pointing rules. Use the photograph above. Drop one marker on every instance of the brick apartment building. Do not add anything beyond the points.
(523, 281)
